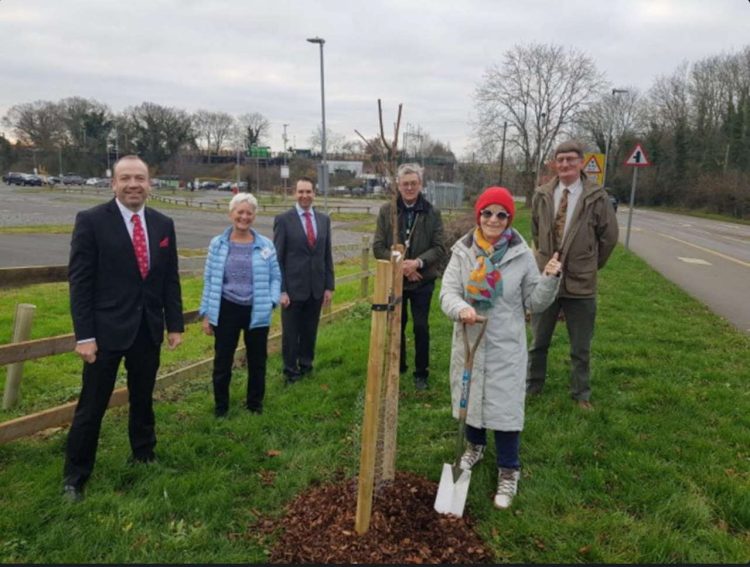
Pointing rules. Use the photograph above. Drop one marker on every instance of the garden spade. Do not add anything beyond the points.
(454, 481)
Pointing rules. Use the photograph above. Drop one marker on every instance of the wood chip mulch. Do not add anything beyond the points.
(319, 527)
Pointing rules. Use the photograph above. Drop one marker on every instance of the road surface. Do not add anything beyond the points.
(709, 259)
(194, 227)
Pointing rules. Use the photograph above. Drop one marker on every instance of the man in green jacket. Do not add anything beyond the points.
(574, 216)
(420, 230)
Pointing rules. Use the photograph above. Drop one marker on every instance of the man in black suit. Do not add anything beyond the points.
(302, 237)
(124, 286)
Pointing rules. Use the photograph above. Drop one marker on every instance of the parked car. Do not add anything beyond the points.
(226, 186)
(13, 178)
(53, 180)
(29, 179)
(72, 179)
(103, 182)
(614, 200)
(208, 185)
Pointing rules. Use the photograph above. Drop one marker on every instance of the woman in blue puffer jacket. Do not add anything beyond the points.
(241, 286)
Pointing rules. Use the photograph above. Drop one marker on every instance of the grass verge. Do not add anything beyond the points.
(658, 473)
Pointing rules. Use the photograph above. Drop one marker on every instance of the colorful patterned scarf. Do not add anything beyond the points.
(486, 281)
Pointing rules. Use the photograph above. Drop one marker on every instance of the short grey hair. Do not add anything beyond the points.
(568, 147)
(239, 198)
(407, 168)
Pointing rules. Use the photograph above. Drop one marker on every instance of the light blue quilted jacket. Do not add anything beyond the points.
(266, 279)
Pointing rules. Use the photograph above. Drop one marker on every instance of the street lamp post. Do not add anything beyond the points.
(615, 92)
(323, 177)
(541, 155)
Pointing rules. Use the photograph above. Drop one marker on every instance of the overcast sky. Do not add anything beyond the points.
(251, 56)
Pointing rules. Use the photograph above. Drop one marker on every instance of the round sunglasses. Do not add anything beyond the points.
(501, 215)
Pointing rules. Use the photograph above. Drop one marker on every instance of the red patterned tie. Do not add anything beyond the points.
(139, 245)
(310, 229)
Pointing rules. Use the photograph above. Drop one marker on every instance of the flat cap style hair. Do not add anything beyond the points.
(569, 146)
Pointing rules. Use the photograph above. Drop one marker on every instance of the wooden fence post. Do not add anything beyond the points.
(364, 287)
(21, 332)
(368, 452)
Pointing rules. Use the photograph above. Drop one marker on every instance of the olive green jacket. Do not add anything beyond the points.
(588, 241)
(425, 241)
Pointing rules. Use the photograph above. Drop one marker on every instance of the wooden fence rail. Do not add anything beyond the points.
(60, 344)
(63, 414)
(30, 275)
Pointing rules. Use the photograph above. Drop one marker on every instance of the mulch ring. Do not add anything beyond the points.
(319, 527)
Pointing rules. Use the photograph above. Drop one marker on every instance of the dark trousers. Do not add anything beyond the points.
(299, 331)
(419, 300)
(507, 445)
(234, 318)
(580, 315)
(141, 363)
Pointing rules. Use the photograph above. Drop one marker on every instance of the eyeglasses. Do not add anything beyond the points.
(501, 215)
(570, 159)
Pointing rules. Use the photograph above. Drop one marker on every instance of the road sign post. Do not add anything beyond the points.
(637, 159)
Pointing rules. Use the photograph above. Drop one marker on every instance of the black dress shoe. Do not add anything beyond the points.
(142, 459)
(290, 379)
(220, 412)
(258, 410)
(72, 493)
(420, 383)
(305, 370)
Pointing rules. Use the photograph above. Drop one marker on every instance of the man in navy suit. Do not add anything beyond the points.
(124, 287)
(302, 237)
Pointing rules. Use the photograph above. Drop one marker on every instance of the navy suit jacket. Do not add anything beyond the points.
(108, 297)
(305, 271)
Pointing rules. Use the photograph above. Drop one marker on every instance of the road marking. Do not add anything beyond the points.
(733, 238)
(719, 254)
(694, 261)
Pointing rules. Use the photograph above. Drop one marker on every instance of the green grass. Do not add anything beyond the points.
(658, 473)
(38, 229)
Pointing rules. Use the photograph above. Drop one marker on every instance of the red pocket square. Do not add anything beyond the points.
(164, 242)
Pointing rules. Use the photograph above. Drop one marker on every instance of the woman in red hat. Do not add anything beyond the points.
(492, 272)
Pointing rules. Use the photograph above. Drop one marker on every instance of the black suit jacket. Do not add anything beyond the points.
(305, 271)
(108, 297)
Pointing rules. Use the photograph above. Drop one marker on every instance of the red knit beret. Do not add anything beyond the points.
(495, 196)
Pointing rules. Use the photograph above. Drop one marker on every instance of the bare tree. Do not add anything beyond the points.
(610, 117)
(39, 123)
(334, 141)
(212, 130)
(255, 128)
(539, 90)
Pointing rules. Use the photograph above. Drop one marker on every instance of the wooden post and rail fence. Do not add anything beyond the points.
(14, 354)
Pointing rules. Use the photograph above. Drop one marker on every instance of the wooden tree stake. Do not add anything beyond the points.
(368, 451)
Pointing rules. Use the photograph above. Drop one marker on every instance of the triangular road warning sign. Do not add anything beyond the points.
(637, 157)
(592, 166)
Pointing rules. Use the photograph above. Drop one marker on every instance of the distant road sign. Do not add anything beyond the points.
(594, 167)
(638, 157)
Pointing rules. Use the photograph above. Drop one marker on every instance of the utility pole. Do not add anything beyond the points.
(541, 153)
(285, 179)
(615, 92)
(502, 154)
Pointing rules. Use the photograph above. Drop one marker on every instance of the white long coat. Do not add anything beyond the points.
(498, 380)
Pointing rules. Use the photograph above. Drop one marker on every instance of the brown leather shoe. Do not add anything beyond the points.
(585, 405)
